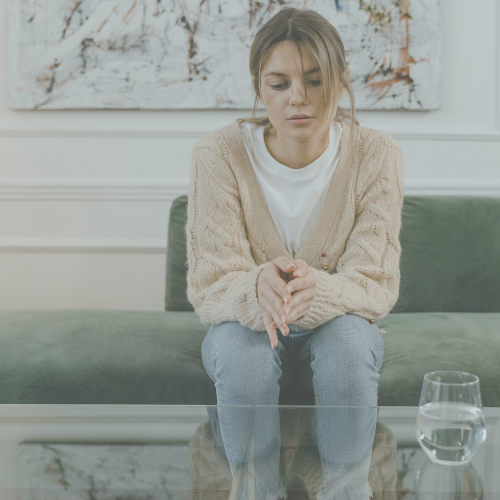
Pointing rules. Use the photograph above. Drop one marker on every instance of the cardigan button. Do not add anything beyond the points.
(323, 254)
(325, 267)
(371, 321)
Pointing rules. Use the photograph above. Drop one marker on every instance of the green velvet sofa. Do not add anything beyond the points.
(447, 318)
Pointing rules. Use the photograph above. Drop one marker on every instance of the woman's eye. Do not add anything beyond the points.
(314, 83)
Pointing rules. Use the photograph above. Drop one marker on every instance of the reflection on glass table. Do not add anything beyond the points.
(125, 452)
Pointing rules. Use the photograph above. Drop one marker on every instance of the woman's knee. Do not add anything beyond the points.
(350, 338)
(242, 357)
(346, 354)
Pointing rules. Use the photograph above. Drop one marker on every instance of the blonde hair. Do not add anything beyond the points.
(324, 44)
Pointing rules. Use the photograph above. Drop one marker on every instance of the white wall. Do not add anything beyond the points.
(85, 195)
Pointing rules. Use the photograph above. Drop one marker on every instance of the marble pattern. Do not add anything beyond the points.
(409, 460)
(84, 471)
(80, 471)
(166, 54)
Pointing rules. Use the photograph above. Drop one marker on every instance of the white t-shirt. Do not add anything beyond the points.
(294, 196)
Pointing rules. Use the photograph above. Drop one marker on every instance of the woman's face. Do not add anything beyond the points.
(284, 97)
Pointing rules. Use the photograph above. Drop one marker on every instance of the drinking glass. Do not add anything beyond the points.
(441, 482)
(450, 422)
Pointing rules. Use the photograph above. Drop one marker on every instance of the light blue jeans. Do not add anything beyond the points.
(338, 360)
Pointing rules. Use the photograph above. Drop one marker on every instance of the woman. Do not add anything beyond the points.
(293, 225)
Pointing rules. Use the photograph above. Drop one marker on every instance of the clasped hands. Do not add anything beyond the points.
(281, 302)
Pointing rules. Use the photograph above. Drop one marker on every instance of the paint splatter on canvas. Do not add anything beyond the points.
(193, 54)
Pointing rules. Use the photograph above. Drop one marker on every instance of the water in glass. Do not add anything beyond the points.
(450, 432)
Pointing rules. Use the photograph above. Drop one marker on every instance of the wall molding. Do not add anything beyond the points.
(497, 66)
(166, 191)
(86, 245)
(83, 190)
(481, 134)
(135, 134)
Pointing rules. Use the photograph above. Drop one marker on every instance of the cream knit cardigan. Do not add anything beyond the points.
(231, 235)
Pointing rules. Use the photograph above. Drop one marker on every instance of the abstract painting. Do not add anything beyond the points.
(194, 54)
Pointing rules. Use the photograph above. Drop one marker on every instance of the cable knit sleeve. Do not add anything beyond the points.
(367, 277)
(222, 274)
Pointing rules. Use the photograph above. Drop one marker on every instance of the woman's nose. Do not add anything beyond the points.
(297, 94)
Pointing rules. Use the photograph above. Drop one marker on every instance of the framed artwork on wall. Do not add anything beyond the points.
(165, 54)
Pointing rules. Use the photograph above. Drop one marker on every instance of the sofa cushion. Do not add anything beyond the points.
(127, 357)
(450, 254)
(419, 343)
(450, 258)
(177, 267)
(102, 357)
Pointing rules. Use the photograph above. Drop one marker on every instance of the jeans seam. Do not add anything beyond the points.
(318, 419)
(380, 346)
(213, 347)
(221, 417)
(277, 354)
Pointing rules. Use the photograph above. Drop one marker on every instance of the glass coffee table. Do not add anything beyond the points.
(142, 452)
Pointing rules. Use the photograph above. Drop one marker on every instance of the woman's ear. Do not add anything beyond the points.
(344, 89)
(342, 93)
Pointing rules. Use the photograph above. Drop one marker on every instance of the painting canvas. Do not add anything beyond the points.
(193, 54)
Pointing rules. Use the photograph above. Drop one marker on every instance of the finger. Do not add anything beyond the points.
(273, 337)
(297, 297)
(297, 303)
(285, 330)
(270, 327)
(297, 269)
(299, 311)
(284, 267)
(279, 287)
(301, 268)
(273, 302)
(287, 309)
(278, 304)
(293, 286)
(275, 315)
(284, 264)
(297, 284)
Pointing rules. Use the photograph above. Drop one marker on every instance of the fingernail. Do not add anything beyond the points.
(284, 299)
(298, 273)
(288, 309)
(289, 266)
(289, 289)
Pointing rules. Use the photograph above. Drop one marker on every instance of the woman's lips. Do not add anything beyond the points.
(300, 121)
